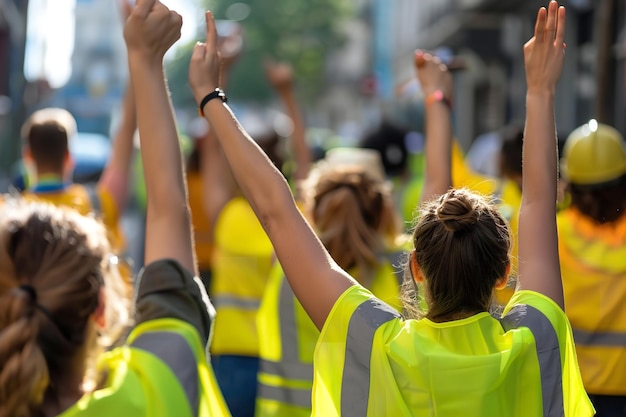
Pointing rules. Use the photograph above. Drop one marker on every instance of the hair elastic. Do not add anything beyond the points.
(30, 290)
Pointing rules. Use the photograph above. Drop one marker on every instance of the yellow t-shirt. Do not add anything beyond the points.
(77, 197)
(200, 221)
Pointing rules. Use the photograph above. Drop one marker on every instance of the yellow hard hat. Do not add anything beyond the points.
(594, 153)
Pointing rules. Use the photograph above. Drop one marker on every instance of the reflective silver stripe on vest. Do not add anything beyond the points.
(611, 339)
(220, 301)
(355, 385)
(289, 367)
(299, 397)
(174, 350)
(548, 354)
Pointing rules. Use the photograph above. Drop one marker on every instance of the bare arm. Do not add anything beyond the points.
(149, 32)
(281, 78)
(539, 268)
(218, 185)
(315, 278)
(114, 179)
(436, 84)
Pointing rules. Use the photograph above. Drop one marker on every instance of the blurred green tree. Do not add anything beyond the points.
(300, 32)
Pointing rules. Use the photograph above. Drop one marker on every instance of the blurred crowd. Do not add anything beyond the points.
(368, 207)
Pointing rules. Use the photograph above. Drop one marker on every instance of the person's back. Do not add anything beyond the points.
(592, 247)
(354, 216)
(461, 255)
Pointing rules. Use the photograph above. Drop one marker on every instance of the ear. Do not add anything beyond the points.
(416, 271)
(502, 282)
(27, 154)
(99, 315)
(68, 165)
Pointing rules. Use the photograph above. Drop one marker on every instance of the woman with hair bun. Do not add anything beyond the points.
(457, 360)
(352, 211)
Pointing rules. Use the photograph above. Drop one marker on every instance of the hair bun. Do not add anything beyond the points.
(457, 212)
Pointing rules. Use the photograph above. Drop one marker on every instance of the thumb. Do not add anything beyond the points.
(199, 51)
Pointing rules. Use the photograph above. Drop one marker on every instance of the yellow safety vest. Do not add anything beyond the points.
(593, 266)
(370, 362)
(242, 261)
(287, 339)
(288, 336)
(147, 384)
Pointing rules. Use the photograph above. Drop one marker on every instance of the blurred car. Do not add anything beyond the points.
(90, 152)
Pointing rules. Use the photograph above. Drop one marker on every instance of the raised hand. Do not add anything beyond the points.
(151, 29)
(432, 74)
(539, 268)
(204, 67)
(544, 53)
(280, 75)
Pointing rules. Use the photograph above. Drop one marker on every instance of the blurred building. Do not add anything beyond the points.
(99, 69)
(12, 45)
(489, 35)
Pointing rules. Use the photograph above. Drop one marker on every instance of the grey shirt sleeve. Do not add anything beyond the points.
(165, 289)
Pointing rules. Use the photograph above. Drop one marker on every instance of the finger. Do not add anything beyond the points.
(143, 7)
(560, 27)
(199, 51)
(551, 23)
(176, 19)
(211, 31)
(540, 24)
(419, 58)
(126, 8)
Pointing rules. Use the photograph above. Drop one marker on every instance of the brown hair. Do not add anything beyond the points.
(353, 215)
(47, 133)
(53, 264)
(462, 247)
(604, 203)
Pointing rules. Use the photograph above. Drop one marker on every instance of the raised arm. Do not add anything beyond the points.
(114, 179)
(436, 85)
(149, 32)
(280, 75)
(538, 247)
(218, 185)
(315, 278)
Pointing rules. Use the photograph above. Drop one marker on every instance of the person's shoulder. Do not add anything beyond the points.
(535, 311)
(163, 274)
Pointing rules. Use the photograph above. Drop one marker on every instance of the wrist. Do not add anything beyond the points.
(142, 56)
(540, 93)
(437, 96)
(217, 94)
